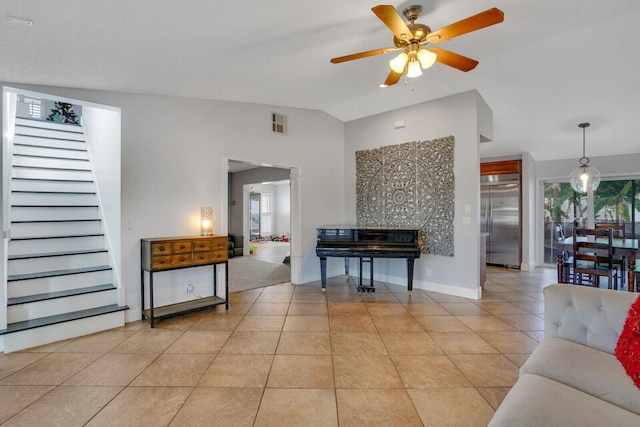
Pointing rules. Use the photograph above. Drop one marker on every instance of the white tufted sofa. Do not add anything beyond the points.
(573, 378)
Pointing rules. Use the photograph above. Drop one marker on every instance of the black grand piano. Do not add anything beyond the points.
(366, 243)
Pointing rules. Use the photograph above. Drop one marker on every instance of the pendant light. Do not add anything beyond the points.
(584, 178)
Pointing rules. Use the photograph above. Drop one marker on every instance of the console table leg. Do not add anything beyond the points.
(151, 318)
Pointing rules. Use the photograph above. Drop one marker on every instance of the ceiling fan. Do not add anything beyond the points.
(411, 39)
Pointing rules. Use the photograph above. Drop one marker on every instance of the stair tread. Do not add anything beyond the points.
(51, 168)
(34, 156)
(60, 294)
(50, 179)
(47, 124)
(53, 138)
(24, 144)
(66, 236)
(51, 192)
(55, 273)
(61, 318)
(40, 221)
(54, 254)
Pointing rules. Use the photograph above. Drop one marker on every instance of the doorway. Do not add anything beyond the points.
(252, 188)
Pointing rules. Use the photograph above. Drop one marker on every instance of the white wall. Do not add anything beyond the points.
(283, 208)
(456, 115)
(103, 136)
(238, 181)
(172, 164)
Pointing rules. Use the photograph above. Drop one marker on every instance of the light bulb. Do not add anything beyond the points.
(414, 69)
(397, 64)
(426, 58)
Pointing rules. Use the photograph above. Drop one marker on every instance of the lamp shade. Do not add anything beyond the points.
(426, 58)
(585, 178)
(397, 64)
(206, 221)
(414, 70)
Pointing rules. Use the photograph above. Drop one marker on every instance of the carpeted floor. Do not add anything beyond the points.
(249, 273)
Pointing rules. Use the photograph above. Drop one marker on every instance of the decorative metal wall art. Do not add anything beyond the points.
(409, 185)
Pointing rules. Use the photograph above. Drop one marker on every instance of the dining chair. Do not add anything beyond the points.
(567, 259)
(593, 256)
(619, 261)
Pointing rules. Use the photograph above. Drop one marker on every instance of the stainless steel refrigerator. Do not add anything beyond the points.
(500, 218)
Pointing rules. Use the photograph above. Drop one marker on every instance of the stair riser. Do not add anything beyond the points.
(29, 150)
(49, 133)
(71, 244)
(35, 310)
(61, 331)
(54, 199)
(23, 288)
(58, 186)
(51, 174)
(53, 214)
(36, 265)
(73, 145)
(55, 229)
(51, 163)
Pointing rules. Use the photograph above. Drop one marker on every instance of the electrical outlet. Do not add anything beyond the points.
(429, 272)
(467, 278)
(189, 288)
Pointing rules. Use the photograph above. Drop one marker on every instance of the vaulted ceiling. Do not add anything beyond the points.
(549, 66)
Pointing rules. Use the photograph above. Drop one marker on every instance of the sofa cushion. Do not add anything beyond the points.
(586, 315)
(628, 348)
(540, 401)
(592, 371)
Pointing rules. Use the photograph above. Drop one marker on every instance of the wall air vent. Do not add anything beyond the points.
(279, 123)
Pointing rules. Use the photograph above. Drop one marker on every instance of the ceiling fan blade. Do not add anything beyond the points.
(362, 55)
(392, 78)
(481, 20)
(454, 60)
(392, 19)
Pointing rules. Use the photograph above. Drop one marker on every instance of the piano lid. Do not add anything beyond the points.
(363, 227)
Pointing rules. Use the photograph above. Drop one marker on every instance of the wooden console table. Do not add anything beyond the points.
(172, 253)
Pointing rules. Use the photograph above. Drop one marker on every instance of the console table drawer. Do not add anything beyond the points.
(202, 257)
(219, 243)
(219, 256)
(160, 262)
(160, 248)
(202, 246)
(181, 247)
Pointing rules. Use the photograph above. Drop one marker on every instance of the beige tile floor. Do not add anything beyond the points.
(289, 355)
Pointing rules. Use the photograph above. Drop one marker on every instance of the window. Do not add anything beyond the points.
(266, 215)
(35, 107)
(279, 123)
(615, 201)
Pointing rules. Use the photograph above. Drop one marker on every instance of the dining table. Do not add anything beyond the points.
(622, 247)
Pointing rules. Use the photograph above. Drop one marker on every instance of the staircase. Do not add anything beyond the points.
(60, 280)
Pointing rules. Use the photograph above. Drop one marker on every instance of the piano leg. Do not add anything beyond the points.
(410, 262)
(371, 287)
(323, 273)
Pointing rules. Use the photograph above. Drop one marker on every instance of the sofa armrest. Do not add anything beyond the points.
(586, 315)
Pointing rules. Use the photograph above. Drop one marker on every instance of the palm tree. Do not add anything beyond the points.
(614, 201)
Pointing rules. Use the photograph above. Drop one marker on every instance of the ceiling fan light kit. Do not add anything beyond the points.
(411, 39)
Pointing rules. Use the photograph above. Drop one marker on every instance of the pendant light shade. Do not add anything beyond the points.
(584, 178)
